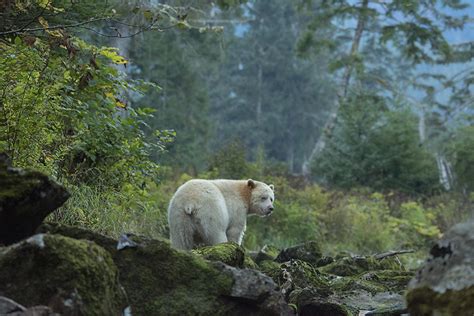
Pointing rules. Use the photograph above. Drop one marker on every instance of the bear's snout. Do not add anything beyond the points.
(269, 211)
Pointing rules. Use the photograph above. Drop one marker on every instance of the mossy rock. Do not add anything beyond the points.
(301, 274)
(160, 280)
(354, 265)
(73, 277)
(309, 252)
(229, 253)
(268, 252)
(270, 268)
(393, 280)
(26, 198)
(351, 284)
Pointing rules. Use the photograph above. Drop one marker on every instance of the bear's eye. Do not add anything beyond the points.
(264, 198)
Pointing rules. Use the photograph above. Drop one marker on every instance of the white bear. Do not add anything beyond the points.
(208, 212)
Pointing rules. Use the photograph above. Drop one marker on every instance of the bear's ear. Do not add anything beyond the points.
(251, 183)
(272, 187)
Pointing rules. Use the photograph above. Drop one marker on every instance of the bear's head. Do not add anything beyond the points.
(261, 198)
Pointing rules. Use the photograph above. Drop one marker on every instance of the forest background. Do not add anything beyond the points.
(360, 112)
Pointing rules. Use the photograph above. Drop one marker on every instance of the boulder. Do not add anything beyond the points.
(445, 283)
(309, 251)
(255, 287)
(72, 277)
(26, 198)
(160, 280)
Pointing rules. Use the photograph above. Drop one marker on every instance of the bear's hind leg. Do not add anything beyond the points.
(182, 234)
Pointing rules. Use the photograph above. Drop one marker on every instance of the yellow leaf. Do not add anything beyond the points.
(120, 104)
(44, 3)
(113, 56)
(43, 22)
(55, 33)
(148, 15)
(110, 95)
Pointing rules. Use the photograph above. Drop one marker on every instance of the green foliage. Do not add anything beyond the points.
(60, 114)
(62, 111)
(376, 147)
(113, 212)
(361, 221)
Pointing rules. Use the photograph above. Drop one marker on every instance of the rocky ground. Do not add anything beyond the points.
(51, 269)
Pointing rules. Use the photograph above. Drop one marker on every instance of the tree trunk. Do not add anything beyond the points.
(259, 93)
(422, 126)
(341, 93)
(446, 176)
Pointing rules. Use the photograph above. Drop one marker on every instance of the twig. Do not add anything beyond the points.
(380, 256)
(54, 27)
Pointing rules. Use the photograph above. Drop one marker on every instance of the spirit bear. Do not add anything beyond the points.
(208, 212)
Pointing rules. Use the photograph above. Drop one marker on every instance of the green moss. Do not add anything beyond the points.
(348, 266)
(162, 281)
(18, 183)
(270, 268)
(229, 253)
(351, 284)
(249, 263)
(394, 280)
(53, 269)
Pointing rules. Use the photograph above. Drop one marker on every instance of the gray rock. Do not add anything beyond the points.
(445, 283)
(257, 289)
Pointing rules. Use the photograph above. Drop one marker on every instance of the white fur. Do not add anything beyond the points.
(208, 212)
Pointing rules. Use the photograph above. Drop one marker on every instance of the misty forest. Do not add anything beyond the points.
(359, 112)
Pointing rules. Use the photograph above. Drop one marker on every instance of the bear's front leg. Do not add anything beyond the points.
(236, 234)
